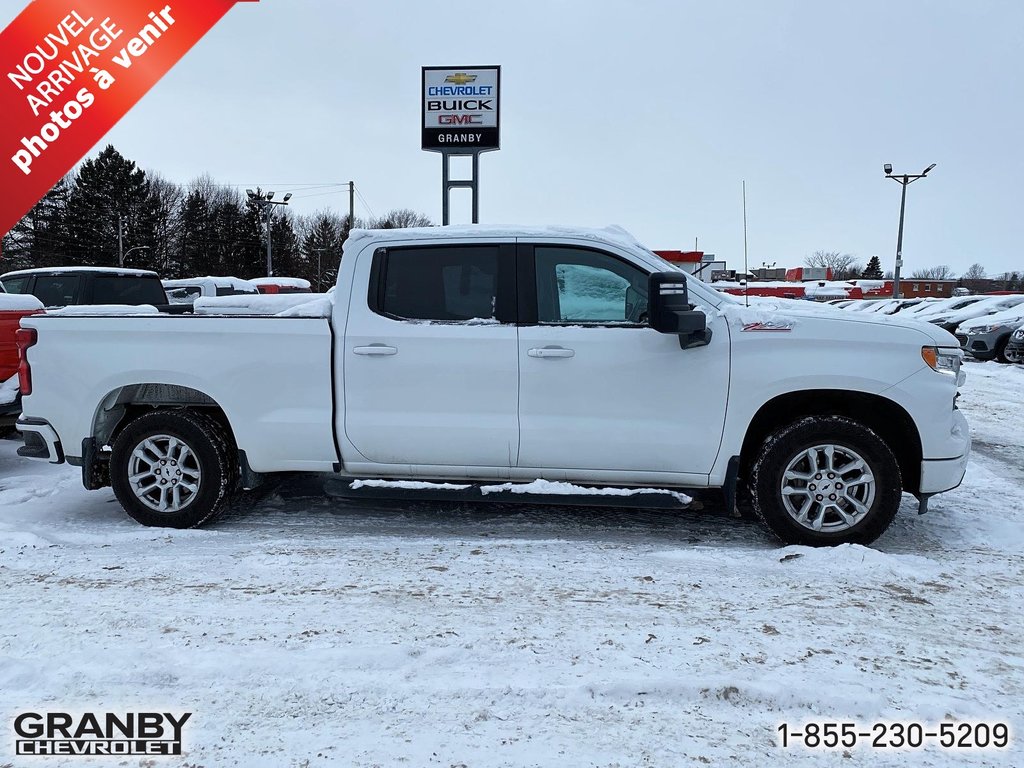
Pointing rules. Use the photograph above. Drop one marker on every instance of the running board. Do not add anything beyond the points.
(341, 489)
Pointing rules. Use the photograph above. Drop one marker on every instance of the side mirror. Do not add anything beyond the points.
(670, 310)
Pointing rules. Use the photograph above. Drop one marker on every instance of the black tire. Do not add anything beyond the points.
(1001, 350)
(787, 444)
(214, 459)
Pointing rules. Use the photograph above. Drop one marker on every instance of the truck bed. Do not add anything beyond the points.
(270, 375)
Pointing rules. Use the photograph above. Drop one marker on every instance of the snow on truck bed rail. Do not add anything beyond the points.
(18, 302)
(281, 304)
(105, 309)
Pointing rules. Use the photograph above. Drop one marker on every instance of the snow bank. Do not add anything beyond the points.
(105, 309)
(18, 302)
(285, 304)
(9, 390)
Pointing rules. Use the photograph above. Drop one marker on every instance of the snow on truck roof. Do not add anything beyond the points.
(611, 234)
(64, 270)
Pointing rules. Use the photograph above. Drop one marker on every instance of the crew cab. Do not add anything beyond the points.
(497, 354)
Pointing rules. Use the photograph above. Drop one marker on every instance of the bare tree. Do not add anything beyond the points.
(974, 272)
(941, 272)
(843, 265)
(400, 219)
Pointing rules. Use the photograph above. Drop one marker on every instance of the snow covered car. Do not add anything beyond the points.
(987, 338)
(988, 305)
(1014, 351)
(483, 354)
(187, 290)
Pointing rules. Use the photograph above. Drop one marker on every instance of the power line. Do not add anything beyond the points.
(365, 204)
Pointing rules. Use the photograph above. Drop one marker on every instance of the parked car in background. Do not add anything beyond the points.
(1015, 346)
(986, 338)
(187, 290)
(12, 309)
(282, 285)
(934, 306)
(68, 286)
(988, 305)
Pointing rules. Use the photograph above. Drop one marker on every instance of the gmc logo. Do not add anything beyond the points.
(460, 119)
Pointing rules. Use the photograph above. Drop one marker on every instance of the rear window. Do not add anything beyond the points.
(183, 294)
(128, 290)
(441, 283)
(57, 290)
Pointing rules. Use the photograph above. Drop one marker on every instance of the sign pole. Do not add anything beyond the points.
(460, 117)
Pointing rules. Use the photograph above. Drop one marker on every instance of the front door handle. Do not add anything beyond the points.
(376, 349)
(551, 352)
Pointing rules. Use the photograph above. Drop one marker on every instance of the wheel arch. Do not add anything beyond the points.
(885, 417)
(123, 404)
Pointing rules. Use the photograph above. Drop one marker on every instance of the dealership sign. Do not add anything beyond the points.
(461, 109)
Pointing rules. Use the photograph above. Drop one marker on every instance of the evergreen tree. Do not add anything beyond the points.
(322, 238)
(38, 239)
(109, 193)
(873, 271)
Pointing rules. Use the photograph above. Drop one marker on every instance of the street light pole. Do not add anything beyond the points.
(904, 180)
(129, 252)
(265, 204)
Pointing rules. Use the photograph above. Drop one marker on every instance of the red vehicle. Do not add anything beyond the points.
(282, 285)
(12, 309)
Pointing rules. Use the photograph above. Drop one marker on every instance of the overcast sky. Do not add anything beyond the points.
(644, 114)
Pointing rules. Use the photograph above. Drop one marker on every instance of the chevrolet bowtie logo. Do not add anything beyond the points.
(460, 78)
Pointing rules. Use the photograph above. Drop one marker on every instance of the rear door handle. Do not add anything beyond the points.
(376, 349)
(551, 352)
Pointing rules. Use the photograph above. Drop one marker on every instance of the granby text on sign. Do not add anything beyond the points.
(461, 109)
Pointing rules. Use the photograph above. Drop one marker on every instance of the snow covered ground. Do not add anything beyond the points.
(303, 631)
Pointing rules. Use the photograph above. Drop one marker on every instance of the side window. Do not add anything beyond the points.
(447, 283)
(57, 290)
(16, 284)
(576, 285)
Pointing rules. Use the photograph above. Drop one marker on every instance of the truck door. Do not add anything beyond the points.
(599, 390)
(430, 369)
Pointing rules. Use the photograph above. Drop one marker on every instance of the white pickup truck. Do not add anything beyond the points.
(500, 354)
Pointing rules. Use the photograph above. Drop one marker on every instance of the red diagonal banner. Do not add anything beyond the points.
(70, 70)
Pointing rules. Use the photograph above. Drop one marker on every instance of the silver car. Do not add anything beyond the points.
(992, 341)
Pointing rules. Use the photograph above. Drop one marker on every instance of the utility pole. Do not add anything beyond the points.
(351, 204)
(905, 180)
(266, 205)
(120, 240)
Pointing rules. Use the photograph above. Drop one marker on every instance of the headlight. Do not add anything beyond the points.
(986, 329)
(942, 359)
(1019, 333)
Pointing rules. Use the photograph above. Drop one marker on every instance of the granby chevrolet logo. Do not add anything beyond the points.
(129, 733)
(460, 78)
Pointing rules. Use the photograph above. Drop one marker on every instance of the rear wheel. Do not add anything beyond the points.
(826, 480)
(173, 469)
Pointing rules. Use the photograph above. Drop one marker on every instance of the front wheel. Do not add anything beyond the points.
(826, 480)
(172, 469)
